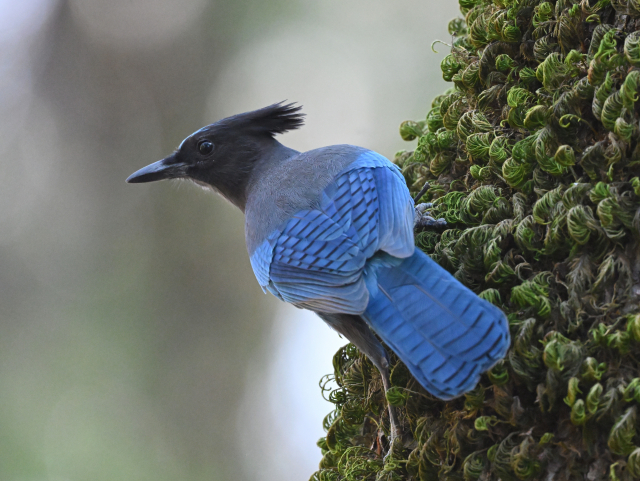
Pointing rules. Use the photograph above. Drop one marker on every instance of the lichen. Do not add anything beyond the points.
(533, 159)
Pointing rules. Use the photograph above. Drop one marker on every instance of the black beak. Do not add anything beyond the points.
(168, 168)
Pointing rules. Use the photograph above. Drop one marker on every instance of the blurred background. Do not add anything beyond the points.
(135, 343)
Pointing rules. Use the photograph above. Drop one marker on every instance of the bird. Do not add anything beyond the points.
(331, 230)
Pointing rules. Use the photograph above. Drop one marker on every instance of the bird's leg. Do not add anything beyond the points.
(386, 383)
(358, 333)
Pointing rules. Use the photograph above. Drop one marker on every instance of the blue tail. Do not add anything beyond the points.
(445, 334)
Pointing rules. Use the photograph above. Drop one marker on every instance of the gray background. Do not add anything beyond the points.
(135, 342)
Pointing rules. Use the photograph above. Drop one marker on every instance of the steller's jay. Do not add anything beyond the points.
(331, 230)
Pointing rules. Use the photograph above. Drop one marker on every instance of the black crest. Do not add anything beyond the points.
(271, 120)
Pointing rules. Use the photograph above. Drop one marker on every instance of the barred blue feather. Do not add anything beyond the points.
(355, 254)
(445, 334)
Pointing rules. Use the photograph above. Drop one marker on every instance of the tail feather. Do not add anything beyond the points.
(445, 334)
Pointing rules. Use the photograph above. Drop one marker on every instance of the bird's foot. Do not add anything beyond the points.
(424, 219)
(428, 221)
(422, 208)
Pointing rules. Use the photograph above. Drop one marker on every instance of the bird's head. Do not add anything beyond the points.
(222, 155)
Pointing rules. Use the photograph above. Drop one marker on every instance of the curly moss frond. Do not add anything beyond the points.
(533, 159)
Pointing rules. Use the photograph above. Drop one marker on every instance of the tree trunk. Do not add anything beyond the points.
(532, 158)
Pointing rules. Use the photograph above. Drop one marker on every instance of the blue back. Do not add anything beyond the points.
(354, 253)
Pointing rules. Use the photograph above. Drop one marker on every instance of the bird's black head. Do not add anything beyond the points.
(222, 155)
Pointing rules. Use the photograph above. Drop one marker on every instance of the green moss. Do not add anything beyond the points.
(533, 159)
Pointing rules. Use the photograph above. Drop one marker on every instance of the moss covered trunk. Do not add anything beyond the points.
(533, 158)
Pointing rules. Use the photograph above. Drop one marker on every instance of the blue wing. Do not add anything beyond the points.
(317, 259)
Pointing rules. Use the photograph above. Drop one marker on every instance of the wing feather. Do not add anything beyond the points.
(316, 260)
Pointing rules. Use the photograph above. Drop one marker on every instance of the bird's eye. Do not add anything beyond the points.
(205, 147)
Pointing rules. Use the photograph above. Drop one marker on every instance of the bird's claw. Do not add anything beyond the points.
(428, 221)
(421, 208)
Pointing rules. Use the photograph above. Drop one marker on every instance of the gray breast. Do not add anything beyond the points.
(291, 186)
